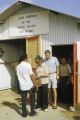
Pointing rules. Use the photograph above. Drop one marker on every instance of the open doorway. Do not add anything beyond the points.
(65, 51)
(12, 50)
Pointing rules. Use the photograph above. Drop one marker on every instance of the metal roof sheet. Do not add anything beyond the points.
(68, 7)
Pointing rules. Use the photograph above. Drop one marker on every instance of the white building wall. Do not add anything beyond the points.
(27, 10)
(46, 44)
(5, 30)
(78, 30)
(63, 29)
(10, 26)
(0, 31)
(8, 71)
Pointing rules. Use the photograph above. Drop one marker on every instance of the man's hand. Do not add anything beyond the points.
(57, 77)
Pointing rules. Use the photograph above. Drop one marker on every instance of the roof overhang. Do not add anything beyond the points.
(11, 10)
(53, 5)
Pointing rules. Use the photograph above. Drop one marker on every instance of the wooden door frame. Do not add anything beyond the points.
(75, 75)
(32, 38)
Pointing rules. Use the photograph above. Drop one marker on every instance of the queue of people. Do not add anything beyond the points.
(48, 71)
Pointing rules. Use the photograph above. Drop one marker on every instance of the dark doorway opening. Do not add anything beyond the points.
(18, 44)
(62, 51)
(12, 50)
(66, 51)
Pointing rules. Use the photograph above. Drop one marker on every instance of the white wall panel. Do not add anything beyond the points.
(27, 10)
(5, 30)
(29, 24)
(45, 43)
(7, 72)
(8, 28)
(0, 31)
(63, 29)
(78, 31)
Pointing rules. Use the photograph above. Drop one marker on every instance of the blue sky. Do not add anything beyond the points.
(5, 3)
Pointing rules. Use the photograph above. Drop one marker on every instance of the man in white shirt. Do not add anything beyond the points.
(53, 66)
(26, 83)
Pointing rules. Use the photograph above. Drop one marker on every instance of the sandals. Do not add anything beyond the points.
(54, 106)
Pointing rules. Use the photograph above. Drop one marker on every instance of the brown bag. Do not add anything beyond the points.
(38, 82)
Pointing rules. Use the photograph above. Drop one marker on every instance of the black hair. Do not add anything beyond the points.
(23, 57)
(47, 51)
(38, 58)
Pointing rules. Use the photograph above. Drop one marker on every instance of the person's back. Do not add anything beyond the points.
(26, 81)
(24, 72)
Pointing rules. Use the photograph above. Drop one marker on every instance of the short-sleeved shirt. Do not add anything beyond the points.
(65, 70)
(52, 64)
(24, 70)
(42, 70)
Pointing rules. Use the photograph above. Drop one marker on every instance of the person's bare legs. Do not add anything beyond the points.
(54, 97)
(49, 96)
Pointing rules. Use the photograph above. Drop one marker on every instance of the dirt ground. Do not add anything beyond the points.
(10, 100)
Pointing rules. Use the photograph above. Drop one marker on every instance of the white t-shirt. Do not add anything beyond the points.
(24, 70)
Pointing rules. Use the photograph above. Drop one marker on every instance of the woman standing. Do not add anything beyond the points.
(42, 93)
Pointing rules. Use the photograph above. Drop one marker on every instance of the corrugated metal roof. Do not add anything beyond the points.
(68, 7)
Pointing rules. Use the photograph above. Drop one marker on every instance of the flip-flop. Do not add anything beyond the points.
(54, 106)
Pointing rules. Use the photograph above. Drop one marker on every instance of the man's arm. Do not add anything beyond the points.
(33, 80)
(57, 73)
